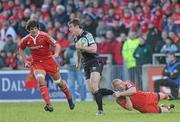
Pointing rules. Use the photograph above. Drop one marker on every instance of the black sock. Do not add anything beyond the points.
(98, 98)
(105, 91)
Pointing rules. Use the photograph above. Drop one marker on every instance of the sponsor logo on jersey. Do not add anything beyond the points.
(129, 85)
(41, 40)
(36, 47)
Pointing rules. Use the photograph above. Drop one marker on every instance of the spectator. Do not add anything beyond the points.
(176, 14)
(27, 14)
(41, 25)
(7, 30)
(178, 43)
(129, 47)
(170, 77)
(173, 36)
(171, 26)
(154, 37)
(74, 76)
(2, 43)
(102, 28)
(21, 29)
(61, 15)
(115, 48)
(103, 46)
(2, 59)
(90, 25)
(64, 44)
(11, 60)
(62, 41)
(142, 55)
(10, 45)
(169, 46)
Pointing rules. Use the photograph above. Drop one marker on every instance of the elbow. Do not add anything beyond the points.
(94, 50)
(134, 91)
(129, 108)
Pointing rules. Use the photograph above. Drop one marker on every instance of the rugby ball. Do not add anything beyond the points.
(83, 42)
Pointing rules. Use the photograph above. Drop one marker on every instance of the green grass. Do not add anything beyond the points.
(84, 112)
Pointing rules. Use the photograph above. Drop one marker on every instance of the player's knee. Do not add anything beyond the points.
(40, 78)
(59, 81)
(164, 110)
(94, 90)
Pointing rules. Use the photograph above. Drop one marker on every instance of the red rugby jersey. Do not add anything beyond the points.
(139, 99)
(40, 46)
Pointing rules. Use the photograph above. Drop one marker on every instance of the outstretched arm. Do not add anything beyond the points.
(57, 50)
(23, 55)
(129, 105)
(90, 49)
(78, 63)
(128, 92)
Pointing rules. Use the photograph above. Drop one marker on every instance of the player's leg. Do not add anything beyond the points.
(163, 96)
(40, 77)
(62, 85)
(95, 75)
(166, 108)
(103, 91)
(94, 86)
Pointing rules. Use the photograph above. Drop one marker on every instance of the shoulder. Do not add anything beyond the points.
(25, 38)
(129, 84)
(41, 33)
(89, 37)
(88, 34)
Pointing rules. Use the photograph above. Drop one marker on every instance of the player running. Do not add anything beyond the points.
(128, 96)
(43, 61)
(92, 64)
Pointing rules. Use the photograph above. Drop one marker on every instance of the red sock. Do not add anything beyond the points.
(66, 91)
(45, 94)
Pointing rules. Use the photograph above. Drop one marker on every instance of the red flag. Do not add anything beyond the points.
(30, 81)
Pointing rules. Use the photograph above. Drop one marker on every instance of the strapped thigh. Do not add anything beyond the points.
(39, 73)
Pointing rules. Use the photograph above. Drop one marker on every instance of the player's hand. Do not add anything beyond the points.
(78, 67)
(55, 55)
(27, 64)
(116, 95)
(78, 45)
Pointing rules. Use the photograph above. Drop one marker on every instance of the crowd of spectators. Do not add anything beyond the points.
(130, 30)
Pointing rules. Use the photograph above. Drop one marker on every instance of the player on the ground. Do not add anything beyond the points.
(129, 97)
(43, 61)
(92, 64)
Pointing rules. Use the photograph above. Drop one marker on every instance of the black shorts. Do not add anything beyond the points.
(93, 66)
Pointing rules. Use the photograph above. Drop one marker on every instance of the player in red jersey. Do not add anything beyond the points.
(43, 61)
(129, 97)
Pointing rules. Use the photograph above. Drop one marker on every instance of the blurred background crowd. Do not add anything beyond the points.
(129, 30)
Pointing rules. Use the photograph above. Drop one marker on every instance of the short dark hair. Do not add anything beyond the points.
(76, 22)
(31, 24)
(9, 35)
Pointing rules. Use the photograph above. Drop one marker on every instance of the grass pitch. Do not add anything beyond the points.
(83, 112)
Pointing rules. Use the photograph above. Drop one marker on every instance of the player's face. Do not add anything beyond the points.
(119, 85)
(73, 29)
(34, 31)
